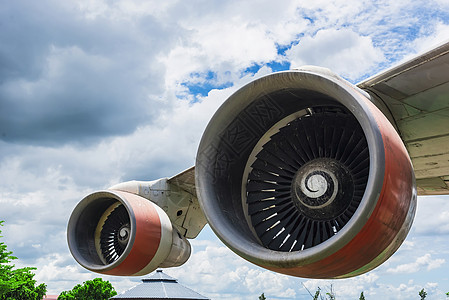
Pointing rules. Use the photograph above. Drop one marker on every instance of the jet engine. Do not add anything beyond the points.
(121, 232)
(300, 173)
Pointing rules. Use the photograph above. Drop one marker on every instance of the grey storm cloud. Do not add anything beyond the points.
(67, 79)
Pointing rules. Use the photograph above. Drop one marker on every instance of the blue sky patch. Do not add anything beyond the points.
(203, 83)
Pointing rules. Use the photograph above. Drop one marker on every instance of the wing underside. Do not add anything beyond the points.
(416, 96)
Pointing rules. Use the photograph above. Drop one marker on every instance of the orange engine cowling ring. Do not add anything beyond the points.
(118, 233)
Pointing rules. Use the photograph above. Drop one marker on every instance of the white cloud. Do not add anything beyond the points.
(341, 50)
(405, 291)
(432, 219)
(231, 37)
(215, 271)
(227, 47)
(432, 36)
(344, 288)
(424, 262)
(131, 9)
(61, 270)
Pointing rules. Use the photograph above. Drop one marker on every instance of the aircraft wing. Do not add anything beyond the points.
(416, 93)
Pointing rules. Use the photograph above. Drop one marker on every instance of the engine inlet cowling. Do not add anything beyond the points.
(120, 233)
(300, 173)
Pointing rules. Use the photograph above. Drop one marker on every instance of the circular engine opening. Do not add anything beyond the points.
(112, 233)
(306, 179)
(99, 230)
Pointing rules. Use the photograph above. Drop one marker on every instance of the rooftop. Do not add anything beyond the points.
(160, 286)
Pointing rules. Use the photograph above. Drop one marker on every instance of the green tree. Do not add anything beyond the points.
(96, 289)
(262, 297)
(362, 297)
(422, 293)
(17, 284)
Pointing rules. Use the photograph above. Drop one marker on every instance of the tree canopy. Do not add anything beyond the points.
(96, 289)
(17, 284)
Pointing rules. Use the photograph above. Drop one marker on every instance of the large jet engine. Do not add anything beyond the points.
(298, 172)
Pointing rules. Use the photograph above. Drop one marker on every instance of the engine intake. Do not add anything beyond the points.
(300, 173)
(120, 233)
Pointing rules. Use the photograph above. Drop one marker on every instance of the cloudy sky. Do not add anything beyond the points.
(97, 92)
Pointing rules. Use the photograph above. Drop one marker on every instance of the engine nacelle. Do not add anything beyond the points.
(298, 172)
(119, 233)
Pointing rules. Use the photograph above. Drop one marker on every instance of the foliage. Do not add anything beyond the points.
(17, 284)
(422, 293)
(95, 289)
(262, 297)
(317, 296)
(331, 294)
